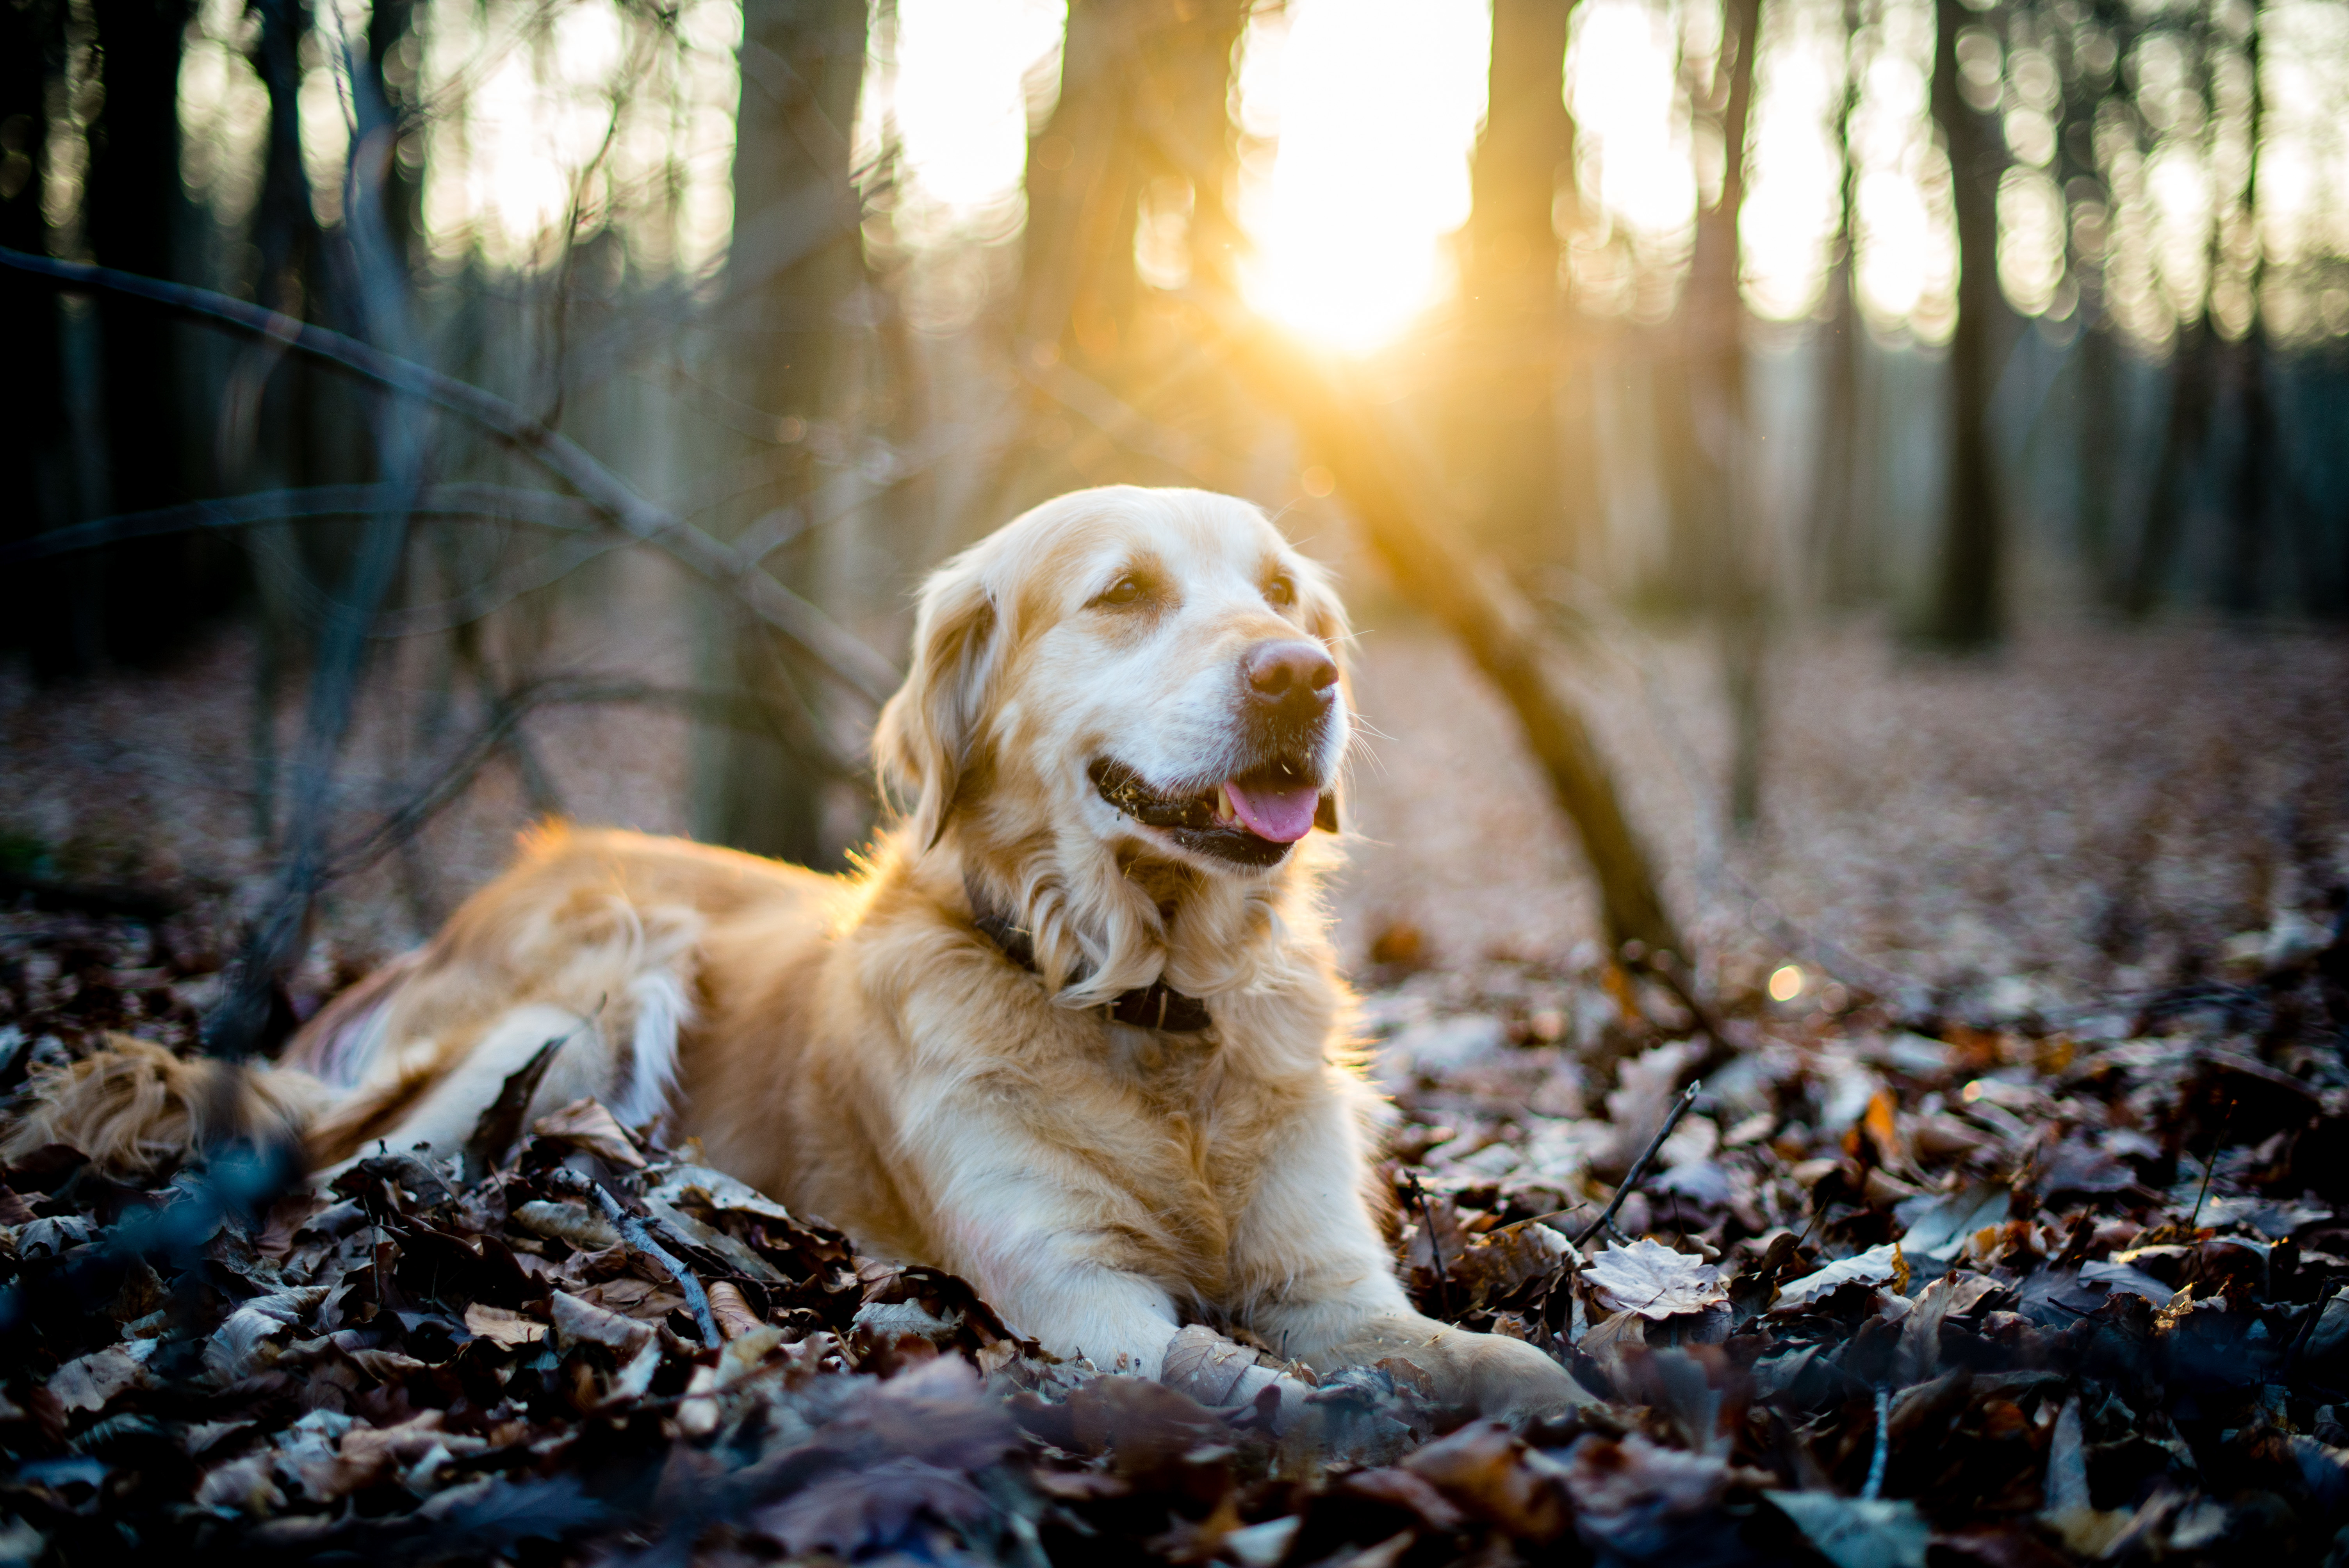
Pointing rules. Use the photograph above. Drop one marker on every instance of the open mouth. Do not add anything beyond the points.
(1249, 819)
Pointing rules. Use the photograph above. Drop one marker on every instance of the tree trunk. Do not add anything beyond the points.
(1725, 555)
(1838, 534)
(36, 477)
(1142, 127)
(1144, 87)
(133, 207)
(2099, 434)
(2244, 589)
(1509, 447)
(394, 53)
(2185, 434)
(1966, 609)
(802, 62)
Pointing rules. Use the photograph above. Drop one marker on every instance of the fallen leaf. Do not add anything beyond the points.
(500, 1327)
(2116, 1277)
(1492, 1474)
(1939, 1228)
(870, 1510)
(586, 1124)
(1876, 1266)
(579, 1322)
(2068, 1511)
(90, 1382)
(1652, 1280)
(1857, 1532)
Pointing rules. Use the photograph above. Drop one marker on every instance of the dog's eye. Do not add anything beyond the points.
(1126, 590)
(1281, 591)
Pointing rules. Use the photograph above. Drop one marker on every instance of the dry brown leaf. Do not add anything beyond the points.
(732, 1312)
(586, 1124)
(1882, 1266)
(583, 1322)
(1651, 1279)
(500, 1327)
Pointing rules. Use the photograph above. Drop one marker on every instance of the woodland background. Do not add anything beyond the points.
(1845, 507)
(1906, 438)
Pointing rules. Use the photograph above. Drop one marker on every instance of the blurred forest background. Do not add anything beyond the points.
(1902, 444)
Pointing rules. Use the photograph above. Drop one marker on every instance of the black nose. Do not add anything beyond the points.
(1295, 679)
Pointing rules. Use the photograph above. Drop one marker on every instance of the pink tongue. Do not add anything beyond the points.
(1284, 816)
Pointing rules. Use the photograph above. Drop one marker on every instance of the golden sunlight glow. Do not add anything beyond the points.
(1786, 982)
(583, 103)
(961, 84)
(1631, 132)
(1357, 121)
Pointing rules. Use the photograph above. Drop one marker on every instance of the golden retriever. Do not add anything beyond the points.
(1074, 1031)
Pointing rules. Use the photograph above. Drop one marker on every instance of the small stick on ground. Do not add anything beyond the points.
(640, 1237)
(1639, 1166)
(2208, 1167)
(1434, 1248)
(1875, 1486)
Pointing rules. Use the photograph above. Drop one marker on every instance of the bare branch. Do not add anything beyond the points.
(830, 644)
(486, 502)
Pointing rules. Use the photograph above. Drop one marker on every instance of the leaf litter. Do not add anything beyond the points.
(1897, 1289)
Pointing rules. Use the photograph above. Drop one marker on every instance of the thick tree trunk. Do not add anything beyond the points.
(394, 51)
(2244, 589)
(1724, 554)
(802, 63)
(1508, 450)
(1144, 87)
(1842, 572)
(36, 477)
(132, 211)
(1966, 607)
(2184, 438)
(2098, 455)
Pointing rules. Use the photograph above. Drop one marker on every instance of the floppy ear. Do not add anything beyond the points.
(1325, 617)
(924, 738)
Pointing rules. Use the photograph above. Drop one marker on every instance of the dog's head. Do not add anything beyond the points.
(1126, 676)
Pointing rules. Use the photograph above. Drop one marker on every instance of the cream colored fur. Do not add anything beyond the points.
(855, 1046)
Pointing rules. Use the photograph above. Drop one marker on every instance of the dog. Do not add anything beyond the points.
(1074, 1030)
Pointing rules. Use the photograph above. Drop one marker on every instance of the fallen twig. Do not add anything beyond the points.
(1434, 1248)
(1639, 1166)
(489, 502)
(1875, 1486)
(640, 1236)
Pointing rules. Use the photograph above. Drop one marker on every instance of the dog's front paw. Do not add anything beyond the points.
(1510, 1380)
(1505, 1379)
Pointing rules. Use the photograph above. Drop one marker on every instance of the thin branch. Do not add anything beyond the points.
(236, 1026)
(640, 1236)
(450, 777)
(1434, 1248)
(1639, 1166)
(539, 508)
(830, 644)
(544, 570)
(1874, 1489)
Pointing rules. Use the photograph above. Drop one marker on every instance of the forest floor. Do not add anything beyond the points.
(2007, 1230)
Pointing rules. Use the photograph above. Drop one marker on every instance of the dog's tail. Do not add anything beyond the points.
(133, 1105)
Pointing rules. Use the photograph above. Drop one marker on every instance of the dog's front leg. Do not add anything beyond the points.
(1049, 1243)
(1316, 1280)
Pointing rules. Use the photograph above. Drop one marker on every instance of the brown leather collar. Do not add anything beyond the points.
(1156, 1005)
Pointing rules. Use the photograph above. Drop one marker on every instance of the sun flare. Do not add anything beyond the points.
(1357, 122)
